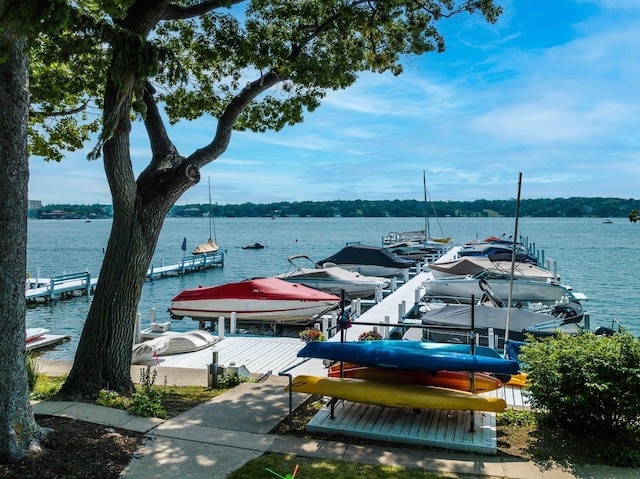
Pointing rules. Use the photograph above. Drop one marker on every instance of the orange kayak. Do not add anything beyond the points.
(459, 380)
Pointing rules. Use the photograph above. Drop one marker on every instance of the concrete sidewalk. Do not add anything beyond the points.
(216, 438)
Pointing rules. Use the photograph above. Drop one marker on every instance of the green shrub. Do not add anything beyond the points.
(232, 380)
(111, 399)
(147, 401)
(32, 372)
(587, 382)
(515, 418)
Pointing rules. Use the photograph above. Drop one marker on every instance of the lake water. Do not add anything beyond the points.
(599, 260)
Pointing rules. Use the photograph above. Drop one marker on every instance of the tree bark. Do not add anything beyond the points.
(19, 432)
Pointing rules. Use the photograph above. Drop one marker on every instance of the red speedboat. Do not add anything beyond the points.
(261, 299)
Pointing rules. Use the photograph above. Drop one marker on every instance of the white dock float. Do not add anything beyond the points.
(428, 427)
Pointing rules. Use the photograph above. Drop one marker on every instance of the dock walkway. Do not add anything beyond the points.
(82, 284)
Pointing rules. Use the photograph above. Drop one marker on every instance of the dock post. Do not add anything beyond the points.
(52, 285)
(378, 294)
(88, 285)
(385, 330)
(334, 322)
(220, 328)
(232, 323)
(136, 329)
(325, 324)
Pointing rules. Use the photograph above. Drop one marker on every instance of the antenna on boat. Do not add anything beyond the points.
(513, 264)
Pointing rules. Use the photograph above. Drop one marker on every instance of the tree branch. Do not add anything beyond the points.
(59, 113)
(228, 118)
(176, 12)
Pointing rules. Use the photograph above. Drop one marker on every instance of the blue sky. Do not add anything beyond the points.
(551, 90)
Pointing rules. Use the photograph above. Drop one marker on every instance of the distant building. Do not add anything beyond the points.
(35, 204)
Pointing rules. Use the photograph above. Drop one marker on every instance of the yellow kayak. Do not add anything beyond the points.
(400, 395)
(518, 380)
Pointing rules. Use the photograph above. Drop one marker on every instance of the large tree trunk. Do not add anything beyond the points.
(103, 358)
(19, 432)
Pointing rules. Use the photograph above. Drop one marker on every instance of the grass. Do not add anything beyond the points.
(323, 468)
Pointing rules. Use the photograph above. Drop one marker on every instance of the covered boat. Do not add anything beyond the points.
(461, 289)
(205, 248)
(453, 322)
(332, 277)
(472, 265)
(259, 299)
(369, 260)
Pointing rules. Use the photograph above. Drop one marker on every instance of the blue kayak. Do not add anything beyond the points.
(414, 355)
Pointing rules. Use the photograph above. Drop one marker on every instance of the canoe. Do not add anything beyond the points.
(459, 380)
(398, 395)
(412, 355)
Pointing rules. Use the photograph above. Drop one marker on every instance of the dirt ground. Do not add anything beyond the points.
(76, 449)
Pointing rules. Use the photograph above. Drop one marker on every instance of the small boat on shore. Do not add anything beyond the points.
(33, 334)
(259, 299)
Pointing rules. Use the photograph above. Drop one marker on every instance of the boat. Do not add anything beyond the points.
(369, 260)
(497, 249)
(412, 355)
(253, 246)
(210, 246)
(258, 299)
(34, 334)
(462, 289)
(473, 265)
(416, 252)
(396, 395)
(206, 248)
(332, 277)
(453, 322)
(150, 349)
(188, 342)
(168, 343)
(460, 380)
(402, 241)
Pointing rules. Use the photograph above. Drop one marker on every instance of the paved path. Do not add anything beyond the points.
(214, 439)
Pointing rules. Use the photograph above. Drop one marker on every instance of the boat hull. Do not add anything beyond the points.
(397, 395)
(255, 310)
(261, 299)
(460, 290)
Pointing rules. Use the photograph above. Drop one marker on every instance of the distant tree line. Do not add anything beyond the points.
(557, 207)
(576, 207)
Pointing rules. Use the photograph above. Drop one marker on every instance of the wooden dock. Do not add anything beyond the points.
(82, 284)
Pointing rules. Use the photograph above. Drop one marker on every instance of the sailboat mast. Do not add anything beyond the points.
(426, 208)
(211, 227)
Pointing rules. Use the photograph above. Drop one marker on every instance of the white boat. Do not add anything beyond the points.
(260, 299)
(33, 334)
(473, 265)
(332, 277)
(453, 322)
(460, 290)
(146, 350)
(171, 343)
